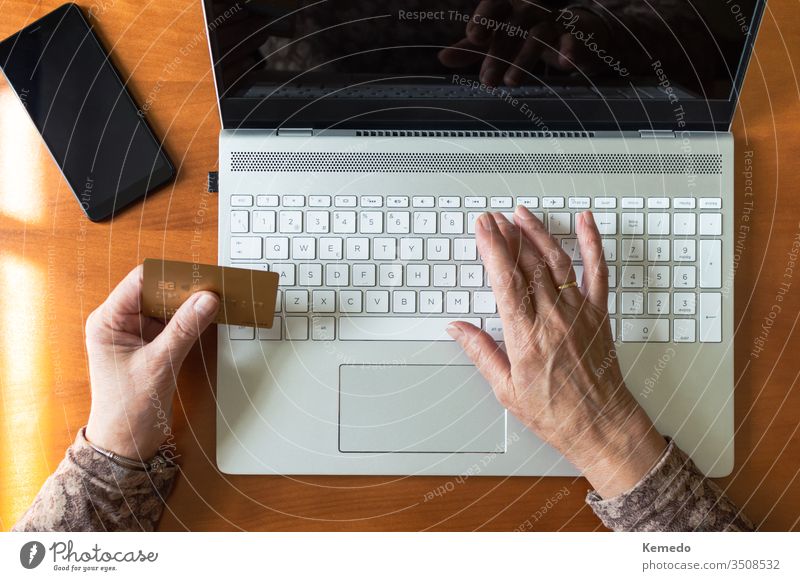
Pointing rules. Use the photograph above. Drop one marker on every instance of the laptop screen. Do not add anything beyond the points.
(311, 62)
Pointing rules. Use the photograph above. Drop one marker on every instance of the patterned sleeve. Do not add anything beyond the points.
(673, 496)
(88, 492)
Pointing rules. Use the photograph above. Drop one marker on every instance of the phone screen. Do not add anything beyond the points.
(93, 129)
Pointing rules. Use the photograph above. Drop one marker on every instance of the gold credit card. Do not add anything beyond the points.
(247, 296)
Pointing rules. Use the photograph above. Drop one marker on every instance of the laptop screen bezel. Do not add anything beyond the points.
(483, 115)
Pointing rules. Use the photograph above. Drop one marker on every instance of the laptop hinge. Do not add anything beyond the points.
(656, 134)
(295, 132)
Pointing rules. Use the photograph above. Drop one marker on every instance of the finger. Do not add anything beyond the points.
(487, 11)
(508, 283)
(503, 49)
(536, 42)
(595, 269)
(185, 327)
(125, 299)
(461, 54)
(485, 353)
(558, 263)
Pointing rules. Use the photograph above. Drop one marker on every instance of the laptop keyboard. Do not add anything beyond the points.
(402, 268)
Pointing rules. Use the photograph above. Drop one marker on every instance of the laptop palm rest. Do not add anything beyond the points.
(418, 408)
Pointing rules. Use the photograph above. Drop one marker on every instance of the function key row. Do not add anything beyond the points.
(495, 202)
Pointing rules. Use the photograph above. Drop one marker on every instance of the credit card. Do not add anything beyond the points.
(247, 296)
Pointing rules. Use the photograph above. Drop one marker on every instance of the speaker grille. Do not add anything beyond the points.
(472, 133)
(511, 163)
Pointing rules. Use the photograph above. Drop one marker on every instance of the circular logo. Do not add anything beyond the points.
(31, 554)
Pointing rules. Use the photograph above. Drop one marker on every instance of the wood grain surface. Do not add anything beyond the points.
(55, 267)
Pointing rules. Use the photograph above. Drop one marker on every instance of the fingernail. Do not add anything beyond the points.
(524, 212)
(500, 217)
(589, 218)
(454, 332)
(206, 305)
(485, 222)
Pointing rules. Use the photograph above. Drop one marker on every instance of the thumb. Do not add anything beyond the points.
(192, 318)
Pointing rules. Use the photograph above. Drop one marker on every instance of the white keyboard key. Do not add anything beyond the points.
(304, 248)
(571, 249)
(613, 329)
(274, 333)
(709, 313)
(344, 222)
(310, 274)
(580, 203)
(502, 202)
(318, 222)
(612, 303)
(605, 203)
(710, 203)
(371, 223)
(264, 222)
(239, 333)
(398, 328)
(710, 264)
(291, 222)
(411, 248)
(658, 224)
(632, 250)
(684, 250)
(684, 303)
(658, 250)
(319, 201)
(246, 248)
(472, 217)
(297, 328)
(684, 276)
(632, 203)
(384, 248)
(658, 277)
(323, 301)
(606, 223)
(349, 302)
(684, 224)
(710, 224)
(241, 201)
(293, 201)
(465, 249)
(240, 222)
(529, 202)
(483, 302)
(371, 201)
(330, 248)
(377, 301)
(425, 222)
(438, 249)
(612, 277)
(632, 276)
(458, 302)
(418, 275)
(452, 223)
(578, 274)
(397, 201)
(364, 274)
(337, 275)
(559, 223)
(431, 302)
(494, 327)
(267, 201)
(444, 275)
(645, 330)
(404, 302)
(610, 249)
(632, 224)
(632, 304)
(296, 301)
(684, 203)
(323, 328)
(286, 274)
(658, 203)
(357, 249)
(398, 223)
(345, 201)
(392, 274)
(449, 202)
(553, 202)
(683, 330)
(471, 275)
(658, 304)
(279, 301)
(423, 201)
(474, 202)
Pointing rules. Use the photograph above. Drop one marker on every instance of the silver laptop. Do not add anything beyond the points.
(354, 159)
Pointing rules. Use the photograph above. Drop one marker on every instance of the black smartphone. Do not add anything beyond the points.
(77, 100)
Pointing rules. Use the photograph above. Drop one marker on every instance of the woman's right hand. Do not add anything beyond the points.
(559, 373)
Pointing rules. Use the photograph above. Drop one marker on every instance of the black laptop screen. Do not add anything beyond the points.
(667, 51)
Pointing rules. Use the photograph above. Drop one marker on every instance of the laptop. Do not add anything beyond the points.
(360, 143)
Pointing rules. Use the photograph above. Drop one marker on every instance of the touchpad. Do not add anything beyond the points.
(418, 408)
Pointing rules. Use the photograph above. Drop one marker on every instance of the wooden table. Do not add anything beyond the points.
(55, 267)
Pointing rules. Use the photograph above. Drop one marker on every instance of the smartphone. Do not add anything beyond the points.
(88, 120)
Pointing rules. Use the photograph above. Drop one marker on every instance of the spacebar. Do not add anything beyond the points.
(397, 328)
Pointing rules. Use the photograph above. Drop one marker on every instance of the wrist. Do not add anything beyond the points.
(124, 438)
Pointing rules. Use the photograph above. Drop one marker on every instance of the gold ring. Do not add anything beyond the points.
(572, 284)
